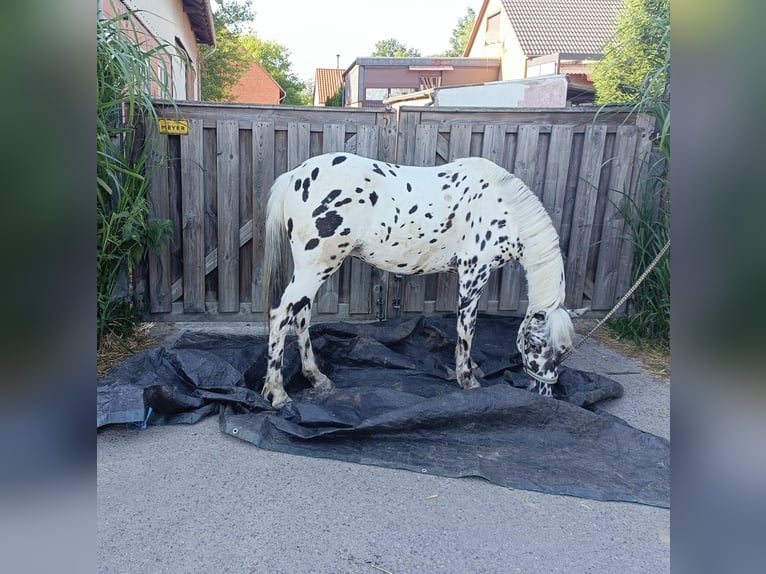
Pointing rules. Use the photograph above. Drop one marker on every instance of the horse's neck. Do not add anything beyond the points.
(542, 261)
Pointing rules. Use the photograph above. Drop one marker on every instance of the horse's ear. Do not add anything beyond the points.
(574, 313)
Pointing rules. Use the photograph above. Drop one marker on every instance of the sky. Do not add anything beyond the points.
(315, 31)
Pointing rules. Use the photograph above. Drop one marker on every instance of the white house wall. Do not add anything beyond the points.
(167, 20)
(513, 60)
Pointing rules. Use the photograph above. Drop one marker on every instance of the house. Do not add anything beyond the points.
(256, 86)
(327, 81)
(541, 37)
(181, 25)
(370, 81)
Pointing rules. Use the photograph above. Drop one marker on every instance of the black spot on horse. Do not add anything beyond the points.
(327, 225)
(289, 227)
(298, 307)
(441, 174)
(413, 209)
(343, 202)
(319, 210)
(401, 265)
(445, 186)
(455, 176)
(359, 190)
(346, 231)
(297, 184)
(338, 159)
(377, 170)
(306, 184)
(314, 173)
(332, 195)
(373, 197)
(409, 187)
(485, 186)
(312, 243)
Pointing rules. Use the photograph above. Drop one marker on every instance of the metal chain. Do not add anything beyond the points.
(619, 303)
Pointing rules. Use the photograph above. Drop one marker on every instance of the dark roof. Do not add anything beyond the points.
(548, 26)
(201, 18)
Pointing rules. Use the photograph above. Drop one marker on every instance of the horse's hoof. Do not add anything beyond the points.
(279, 397)
(470, 384)
(322, 383)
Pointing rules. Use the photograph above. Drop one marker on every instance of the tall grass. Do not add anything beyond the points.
(126, 71)
(648, 315)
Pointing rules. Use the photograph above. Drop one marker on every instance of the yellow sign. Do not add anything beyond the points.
(174, 127)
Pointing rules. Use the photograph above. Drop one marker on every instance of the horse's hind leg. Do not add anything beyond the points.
(309, 366)
(294, 308)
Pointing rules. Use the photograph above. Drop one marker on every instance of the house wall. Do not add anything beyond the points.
(507, 48)
(388, 81)
(165, 22)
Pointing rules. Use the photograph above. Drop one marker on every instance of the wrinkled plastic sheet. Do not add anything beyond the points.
(398, 405)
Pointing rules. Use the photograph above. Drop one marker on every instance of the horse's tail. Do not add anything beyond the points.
(275, 245)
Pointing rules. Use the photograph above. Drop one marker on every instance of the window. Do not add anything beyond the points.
(381, 94)
(492, 32)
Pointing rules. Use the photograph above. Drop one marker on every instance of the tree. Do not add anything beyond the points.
(392, 48)
(222, 66)
(460, 34)
(275, 58)
(639, 49)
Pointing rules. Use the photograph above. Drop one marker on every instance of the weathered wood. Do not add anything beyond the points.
(613, 227)
(263, 178)
(555, 183)
(298, 149)
(550, 150)
(228, 215)
(159, 207)
(193, 208)
(584, 209)
(334, 136)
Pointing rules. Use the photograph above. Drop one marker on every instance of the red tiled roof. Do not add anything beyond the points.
(577, 26)
(326, 82)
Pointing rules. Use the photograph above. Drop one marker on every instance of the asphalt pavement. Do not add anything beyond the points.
(189, 498)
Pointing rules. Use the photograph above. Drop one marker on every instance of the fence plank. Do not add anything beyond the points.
(639, 185)
(584, 210)
(333, 136)
(227, 137)
(605, 284)
(298, 143)
(555, 184)
(263, 177)
(159, 263)
(193, 225)
(446, 287)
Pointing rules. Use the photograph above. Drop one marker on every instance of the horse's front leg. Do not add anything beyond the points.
(471, 283)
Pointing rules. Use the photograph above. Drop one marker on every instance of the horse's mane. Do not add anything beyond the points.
(542, 259)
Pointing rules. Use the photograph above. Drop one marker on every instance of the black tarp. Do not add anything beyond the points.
(397, 404)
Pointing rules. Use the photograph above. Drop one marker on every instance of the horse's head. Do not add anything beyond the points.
(544, 337)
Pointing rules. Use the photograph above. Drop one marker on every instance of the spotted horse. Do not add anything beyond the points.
(467, 217)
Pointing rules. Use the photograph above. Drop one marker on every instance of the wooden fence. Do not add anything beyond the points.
(212, 184)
